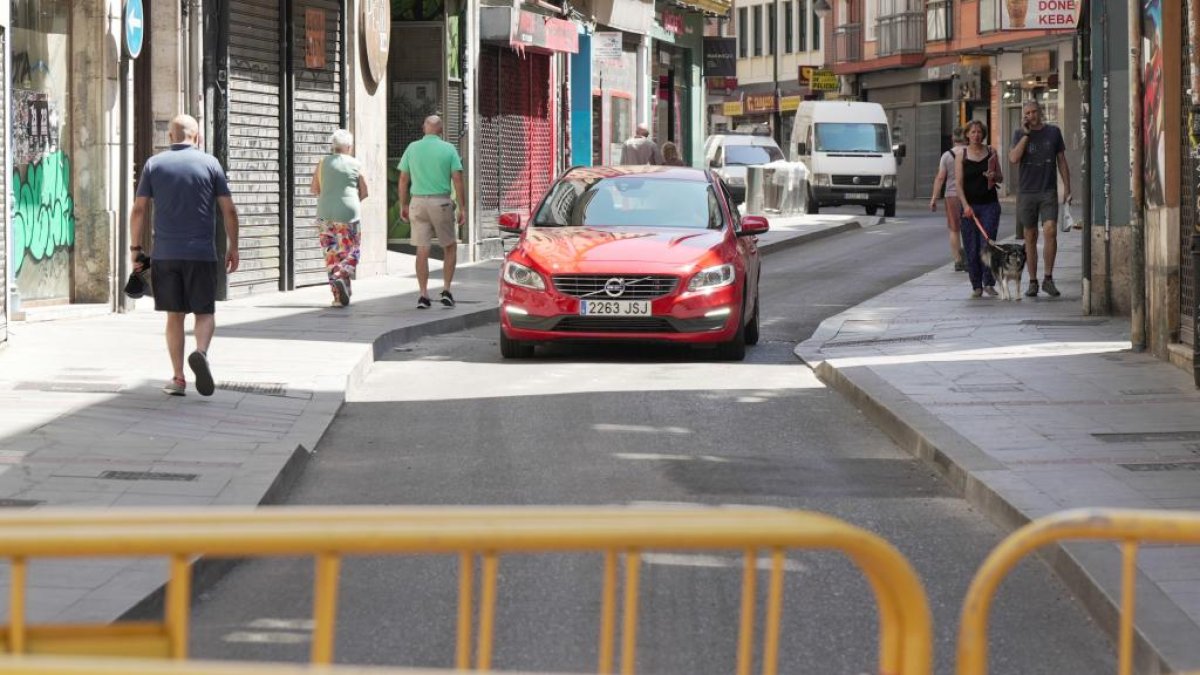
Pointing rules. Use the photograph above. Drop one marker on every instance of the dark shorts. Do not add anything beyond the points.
(187, 286)
(1034, 208)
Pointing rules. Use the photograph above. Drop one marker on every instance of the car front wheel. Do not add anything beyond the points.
(514, 349)
(752, 331)
(735, 349)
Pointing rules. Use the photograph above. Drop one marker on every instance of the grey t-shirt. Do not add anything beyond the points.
(1039, 164)
(184, 184)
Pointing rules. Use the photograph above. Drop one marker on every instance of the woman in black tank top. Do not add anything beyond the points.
(978, 172)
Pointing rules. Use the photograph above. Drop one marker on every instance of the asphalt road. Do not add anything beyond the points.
(446, 421)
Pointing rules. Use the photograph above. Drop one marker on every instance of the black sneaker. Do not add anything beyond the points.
(1032, 291)
(447, 299)
(204, 380)
(1049, 288)
(424, 303)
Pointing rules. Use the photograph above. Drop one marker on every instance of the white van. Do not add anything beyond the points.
(847, 148)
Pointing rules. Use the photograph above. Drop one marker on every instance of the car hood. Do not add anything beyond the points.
(594, 249)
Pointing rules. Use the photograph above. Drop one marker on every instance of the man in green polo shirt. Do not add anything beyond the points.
(429, 166)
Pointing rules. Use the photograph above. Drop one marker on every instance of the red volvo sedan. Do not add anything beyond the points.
(632, 253)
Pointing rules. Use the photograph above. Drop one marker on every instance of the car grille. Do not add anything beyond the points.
(636, 287)
(849, 180)
(614, 324)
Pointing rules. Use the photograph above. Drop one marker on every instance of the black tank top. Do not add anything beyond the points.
(975, 185)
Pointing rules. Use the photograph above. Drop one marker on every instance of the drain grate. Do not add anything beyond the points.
(262, 388)
(1064, 322)
(1162, 466)
(877, 341)
(148, 475)
(1149, 437)
(19, 503)
(71, 387)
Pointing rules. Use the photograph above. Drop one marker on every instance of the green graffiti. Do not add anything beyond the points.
(44, 213)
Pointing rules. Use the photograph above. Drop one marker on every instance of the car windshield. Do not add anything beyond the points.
(751, 155)
(630, 201)
(852, 137)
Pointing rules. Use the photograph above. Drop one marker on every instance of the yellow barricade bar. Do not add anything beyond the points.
(330, 534)
(1128, 527)
(50, 665)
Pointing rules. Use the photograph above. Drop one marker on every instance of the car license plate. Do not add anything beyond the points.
(858, 195)
(614, 308)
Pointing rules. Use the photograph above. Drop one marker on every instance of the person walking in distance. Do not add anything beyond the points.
(1040, 153)
(670, 155)
(640, 149)
(946, 178)
(340, 187)
(428, 167)
(977, 172)
(187, 186)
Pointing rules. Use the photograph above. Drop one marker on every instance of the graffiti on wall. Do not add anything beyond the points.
(43, 220)
(1154, 159)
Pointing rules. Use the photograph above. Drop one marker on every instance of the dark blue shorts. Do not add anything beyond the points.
(187, 286)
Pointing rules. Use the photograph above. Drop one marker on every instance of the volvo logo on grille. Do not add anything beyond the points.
(614, 287)
(858, 180)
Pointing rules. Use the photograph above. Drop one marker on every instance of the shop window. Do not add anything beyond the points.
(43, 218)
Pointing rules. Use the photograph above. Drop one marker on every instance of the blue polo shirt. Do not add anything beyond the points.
(184, 184)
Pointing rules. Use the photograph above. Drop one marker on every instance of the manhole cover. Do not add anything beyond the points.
(262, 388)
(877, 341)
(1149, 437)
(148, 475)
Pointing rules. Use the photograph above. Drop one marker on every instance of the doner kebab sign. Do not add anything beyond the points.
(1039, 14)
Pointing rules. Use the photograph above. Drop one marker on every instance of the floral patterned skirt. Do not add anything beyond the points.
(341, 244)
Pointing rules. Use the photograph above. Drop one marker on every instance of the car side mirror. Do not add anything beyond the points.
(754, 225)
(510, 223)
(802, 149)
(898, 150)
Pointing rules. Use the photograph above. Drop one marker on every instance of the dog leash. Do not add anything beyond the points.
(982, 231)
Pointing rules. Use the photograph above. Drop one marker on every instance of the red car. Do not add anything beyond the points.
(633, 253)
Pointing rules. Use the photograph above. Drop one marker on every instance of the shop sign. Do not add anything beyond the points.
(715, 84)
(790, 103)
(673, 22)
(1040, 14)
(819, 79)
(1038, 63)
(759, 103)
(720, 57)
(543, 32)
(606, 46)
(660, 34)
(314, 39)
(376, 21)
(135, 27)
(732, 109)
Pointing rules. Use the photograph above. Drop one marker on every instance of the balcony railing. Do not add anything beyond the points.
(847, 43)
(902, 29)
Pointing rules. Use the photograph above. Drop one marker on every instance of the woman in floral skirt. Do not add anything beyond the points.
(340, 188)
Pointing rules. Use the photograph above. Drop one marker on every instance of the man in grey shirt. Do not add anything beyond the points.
(1039, 150)
(185, 185)
(640, 149)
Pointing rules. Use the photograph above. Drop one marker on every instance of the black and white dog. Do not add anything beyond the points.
(1007, 262)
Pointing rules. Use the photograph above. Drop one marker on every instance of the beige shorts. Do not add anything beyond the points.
(429, 215)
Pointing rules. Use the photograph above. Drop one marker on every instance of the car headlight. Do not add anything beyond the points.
(822, 179)
(712, 277)
(520, 275)
(889, 181)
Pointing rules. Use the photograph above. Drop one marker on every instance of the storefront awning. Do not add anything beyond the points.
(526, 30)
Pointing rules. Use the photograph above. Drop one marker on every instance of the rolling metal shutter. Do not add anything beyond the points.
(316, 95)
(516, 156)
(1189, 192)
(254, 141)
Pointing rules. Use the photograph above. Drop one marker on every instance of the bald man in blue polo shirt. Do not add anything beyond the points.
(429, 166)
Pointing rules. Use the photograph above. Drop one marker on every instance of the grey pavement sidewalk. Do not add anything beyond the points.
(83, 423)
(1030, 408)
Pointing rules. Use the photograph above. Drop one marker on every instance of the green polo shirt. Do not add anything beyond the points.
(429, 162)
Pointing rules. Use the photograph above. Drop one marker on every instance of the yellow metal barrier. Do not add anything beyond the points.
(1128, 527)
(330, 534)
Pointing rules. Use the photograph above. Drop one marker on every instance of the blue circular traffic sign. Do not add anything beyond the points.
(135, 27)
